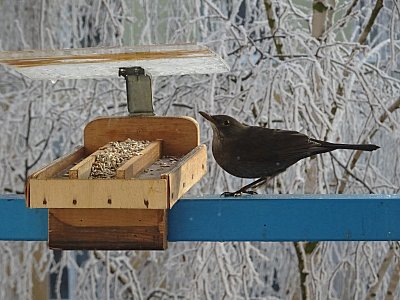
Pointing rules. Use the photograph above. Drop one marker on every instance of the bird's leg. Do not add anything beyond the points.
(244, 190)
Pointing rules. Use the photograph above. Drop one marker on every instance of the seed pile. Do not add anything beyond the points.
(113, 155)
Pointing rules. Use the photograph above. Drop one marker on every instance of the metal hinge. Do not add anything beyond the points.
(138, 89)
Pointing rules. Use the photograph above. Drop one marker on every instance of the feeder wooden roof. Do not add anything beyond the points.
(157, 60)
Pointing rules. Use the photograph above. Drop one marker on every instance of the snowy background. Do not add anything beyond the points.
(330, 69)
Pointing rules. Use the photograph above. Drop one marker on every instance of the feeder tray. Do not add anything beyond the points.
(128, 211)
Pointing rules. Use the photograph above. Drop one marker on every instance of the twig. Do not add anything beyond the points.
(361, 40)
(350, 9)
(41, 22)
(301, 262)
(348, 172)
(395, 105)
(381, 272)
(46, 142)
(113, 269)
(363, 36)
(272, 25)
(394, 282)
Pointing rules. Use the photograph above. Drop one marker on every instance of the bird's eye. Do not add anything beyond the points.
(226, 122)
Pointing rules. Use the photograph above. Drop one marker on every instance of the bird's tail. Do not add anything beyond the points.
(332, 146)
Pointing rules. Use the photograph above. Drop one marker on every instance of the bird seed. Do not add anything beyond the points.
(115, 154)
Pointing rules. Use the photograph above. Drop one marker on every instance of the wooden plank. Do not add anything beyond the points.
(179, 134)
(157, 60)
(57, 167)
(100, 217)
(60, 164)
(188, 170)
(82, 169)
(137, 164)
(98, 193)
(108, 229)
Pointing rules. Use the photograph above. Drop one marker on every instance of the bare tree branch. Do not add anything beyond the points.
(301, 261)
(381, 272)
(374, 14)
(273, 27)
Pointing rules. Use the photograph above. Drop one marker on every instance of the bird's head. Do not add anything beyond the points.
(223, 125)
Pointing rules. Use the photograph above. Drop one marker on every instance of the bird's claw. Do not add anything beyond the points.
(237, 193)
(230, 194)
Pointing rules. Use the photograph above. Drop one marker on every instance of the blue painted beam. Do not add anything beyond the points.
(286, 218)
(252, 218)
(19, 223)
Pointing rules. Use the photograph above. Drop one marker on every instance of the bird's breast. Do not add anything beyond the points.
(231, 156)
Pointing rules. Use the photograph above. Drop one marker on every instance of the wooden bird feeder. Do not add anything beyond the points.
(130, 209)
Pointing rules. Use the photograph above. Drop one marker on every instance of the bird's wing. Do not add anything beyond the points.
(277, 145)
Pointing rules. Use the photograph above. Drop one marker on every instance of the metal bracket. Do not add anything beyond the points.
(138, 89)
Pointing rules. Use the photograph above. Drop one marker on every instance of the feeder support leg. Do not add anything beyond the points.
(138, 89)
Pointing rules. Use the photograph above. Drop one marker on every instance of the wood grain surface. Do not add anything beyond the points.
(108, 229)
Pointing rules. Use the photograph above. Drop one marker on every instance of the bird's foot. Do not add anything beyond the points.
(237, 193)
(230, 194)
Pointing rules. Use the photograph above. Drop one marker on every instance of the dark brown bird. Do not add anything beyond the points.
(257, 152)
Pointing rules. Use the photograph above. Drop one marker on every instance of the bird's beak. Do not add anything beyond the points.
(207, 117)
